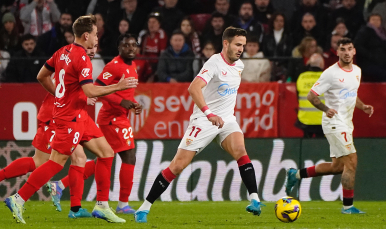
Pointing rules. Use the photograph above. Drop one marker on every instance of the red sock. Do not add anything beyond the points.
(243, 160)
(311, 171)
(168, 175)
(18, 168)
(65, 181)
(126, 181)
(38, 178)
(75, 174)
(89, 169)
(102, 177)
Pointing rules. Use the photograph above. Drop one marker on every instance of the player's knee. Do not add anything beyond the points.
(338, 169)
(79, 160)
(239, 151)
(176, 168)
(107, 152)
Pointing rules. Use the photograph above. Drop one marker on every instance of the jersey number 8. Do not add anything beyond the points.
(60, 89)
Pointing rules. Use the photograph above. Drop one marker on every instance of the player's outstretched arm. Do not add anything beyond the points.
(198, 98)
(368, 109)
(44, 78)
(91, 91)
(315, 101)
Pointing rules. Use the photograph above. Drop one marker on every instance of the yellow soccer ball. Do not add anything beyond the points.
(288, 209)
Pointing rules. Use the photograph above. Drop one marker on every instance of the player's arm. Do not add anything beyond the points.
(315, 101)
(44, 78)
(91, 90)
(368, 109)
(198, 98)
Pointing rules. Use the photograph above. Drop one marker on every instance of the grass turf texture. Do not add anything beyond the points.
(176, 215)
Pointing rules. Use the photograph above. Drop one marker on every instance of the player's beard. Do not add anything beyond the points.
(231, 55)
(346, 62)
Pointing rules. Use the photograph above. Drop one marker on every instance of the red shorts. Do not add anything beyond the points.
(69, 134)
(44, 136)
(119, 136)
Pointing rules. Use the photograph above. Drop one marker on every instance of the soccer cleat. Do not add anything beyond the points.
(56, 193)
(106, 214)
(141, 216)
(291, 180)
(125, 210)
(255, 207)
(352, 210)
(16, 209)
(82, 213)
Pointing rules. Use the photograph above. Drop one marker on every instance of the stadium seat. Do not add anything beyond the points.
(199, 21)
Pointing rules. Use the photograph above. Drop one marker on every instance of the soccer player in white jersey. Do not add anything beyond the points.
(340, 84)
(214, 92)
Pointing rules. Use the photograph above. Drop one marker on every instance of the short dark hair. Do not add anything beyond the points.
(127, 36)
(253, 39)
(177, 32)
(217, 15)
(344, 41)
(27, 37)
(232, 32)
(83, 24)
(155, 15)
(374, 15)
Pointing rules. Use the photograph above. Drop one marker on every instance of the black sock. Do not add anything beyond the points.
(303, 173)
(159, 186)
(348, 201)
(248, 176)
(75, 208)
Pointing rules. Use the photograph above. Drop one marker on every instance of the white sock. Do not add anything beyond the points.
(254, 196)
(103, 204)
(298, 174)
(18, 199)
(122, 204)
(347, 207)
(61, 185)
(145, 206)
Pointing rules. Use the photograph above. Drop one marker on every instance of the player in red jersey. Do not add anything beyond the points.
(113, 122)
(73, 77)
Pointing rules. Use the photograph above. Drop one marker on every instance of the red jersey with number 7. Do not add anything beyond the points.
(72, 69)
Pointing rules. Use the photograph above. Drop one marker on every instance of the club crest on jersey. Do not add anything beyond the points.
(357, 78)
(128, 142)
(69, 130)
(348, 147)
(85, 72)
(203, 71)
(106, 75)
(189, 141)
(72, 148)
(48, 146)
(240, 73)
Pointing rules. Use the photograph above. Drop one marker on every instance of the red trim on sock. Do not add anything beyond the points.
(168, 175)
(311, 171)
(243, 160)
(348, 193)
(102, 177)
(89, 169)
(126, 175)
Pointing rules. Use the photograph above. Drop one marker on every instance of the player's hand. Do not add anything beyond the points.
(127, 104)
(368, 109)
(217, 121)
(91, 101)
(125, 83)
(137, 108)
(331, 112)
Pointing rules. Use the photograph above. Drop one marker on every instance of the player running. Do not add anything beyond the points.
(340, 84)
(214, 93)
(73, 77)
(112, 120)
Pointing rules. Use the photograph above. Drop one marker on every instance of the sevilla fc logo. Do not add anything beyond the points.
(357, 78)
(348, 147)
(138, 121)
(189, 141)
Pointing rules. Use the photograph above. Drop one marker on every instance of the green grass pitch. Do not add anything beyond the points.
(176, 215)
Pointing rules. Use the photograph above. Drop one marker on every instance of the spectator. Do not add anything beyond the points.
(246, 21)
(97, 62)
(213, 33)
(175, 64)
(9, 35)
(263, 12)
(222, 6)
(191, 37)
(330, 56)
(287, 7)
(352, 16)
(341, 29)
(129, 11)
(68, 34)
(277, 43)
(207, 51)
(309, 117)
(75, 8)
(153, 40)
(310, 6)
(54, 39)
(380, 8)
(255, 70)
(308, 28)
(27, 62)
(106, 38)
(144, 70)
(170, 15)
(370, 44)
(124, 26)
(4, 60)
(39, 16)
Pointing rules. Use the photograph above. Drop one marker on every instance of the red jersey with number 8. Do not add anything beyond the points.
(72, 69)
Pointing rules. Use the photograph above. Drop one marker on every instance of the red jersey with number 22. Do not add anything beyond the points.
(72, 69)
(111, 74)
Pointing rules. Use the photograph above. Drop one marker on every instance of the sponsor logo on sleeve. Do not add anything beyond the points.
(85, 72)
(106, 75)
(203, 71)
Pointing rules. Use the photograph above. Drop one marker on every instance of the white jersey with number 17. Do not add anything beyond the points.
(222, 83)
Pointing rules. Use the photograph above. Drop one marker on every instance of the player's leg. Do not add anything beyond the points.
(234, 145)
(126, 175)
